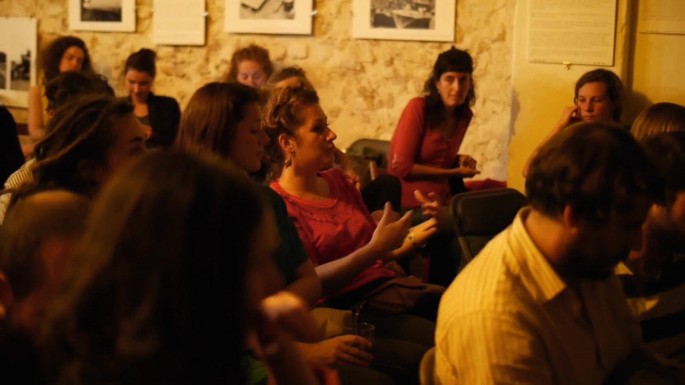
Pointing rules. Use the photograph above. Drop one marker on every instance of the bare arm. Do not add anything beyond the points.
(307, 285)
(35, 114)
(387, 237)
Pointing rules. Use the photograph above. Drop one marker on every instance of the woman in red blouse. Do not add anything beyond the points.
(424, 148)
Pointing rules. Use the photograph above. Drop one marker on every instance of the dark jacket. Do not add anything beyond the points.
(165, 115)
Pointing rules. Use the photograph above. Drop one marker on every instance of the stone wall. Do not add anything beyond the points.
(363, 84)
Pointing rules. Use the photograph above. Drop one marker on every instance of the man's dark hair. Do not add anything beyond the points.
(667, 151)
(596, 168)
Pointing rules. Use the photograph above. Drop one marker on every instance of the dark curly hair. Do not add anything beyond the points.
(52, 56)
(79, 130)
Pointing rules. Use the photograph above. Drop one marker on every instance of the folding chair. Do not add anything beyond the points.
(480, 215)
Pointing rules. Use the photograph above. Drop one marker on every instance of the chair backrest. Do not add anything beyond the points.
(370, 149)
(480, 215)
(427, 368)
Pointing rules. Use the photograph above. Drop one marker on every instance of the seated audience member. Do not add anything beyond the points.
(223, 118)
(64, 54)
(540, 304)
(385, 188)
(152, 297)
(658, 118)
(598, 97)
(63, 88)
(35, 243)
(11, 157)
(250, 66)
(349, 249)
(159, 115)
(87, 141)
(654, 276)
(425, 145)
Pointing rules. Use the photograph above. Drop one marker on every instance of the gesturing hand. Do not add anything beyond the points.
(389, 234)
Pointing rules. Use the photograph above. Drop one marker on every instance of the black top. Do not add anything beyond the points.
(164, 115)
(11, 157)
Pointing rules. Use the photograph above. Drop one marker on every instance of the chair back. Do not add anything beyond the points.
(480, 215)
(369, 157)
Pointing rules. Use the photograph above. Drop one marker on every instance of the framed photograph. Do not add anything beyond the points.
(102, 15)
(285, 17)
(17, 60)
(422, 20)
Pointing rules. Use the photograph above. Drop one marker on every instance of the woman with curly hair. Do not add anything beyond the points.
(66, 53)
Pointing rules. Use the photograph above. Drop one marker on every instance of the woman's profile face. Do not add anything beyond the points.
(128, 142)
(313, 142)
(251, 73)
(247, 148)
(72, 59)
(453, 88)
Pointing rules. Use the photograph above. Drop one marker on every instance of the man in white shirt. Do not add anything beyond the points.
(540, 304)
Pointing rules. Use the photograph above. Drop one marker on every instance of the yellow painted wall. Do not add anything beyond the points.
(540, 91)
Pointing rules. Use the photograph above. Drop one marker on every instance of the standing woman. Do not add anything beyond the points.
(250, 66)
(66, 53)
(159, 115)
(424, 148)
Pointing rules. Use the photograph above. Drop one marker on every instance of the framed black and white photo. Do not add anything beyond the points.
(423, 20)
(17, 60)
(102, 15)
(286, 17)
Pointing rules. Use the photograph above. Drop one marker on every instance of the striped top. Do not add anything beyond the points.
(20, 177)
(509, 318)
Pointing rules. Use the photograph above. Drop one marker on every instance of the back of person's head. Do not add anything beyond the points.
(253, 53)
(157, 290)
(70, 85)
(452, 60)
(659, 118)
(35, 244)
(614, 88)
(597, 169)
(281, 115)
(209, 121)
(667, 151)
(142, 60)
(78, 135)
(52, 56)
(290, 77)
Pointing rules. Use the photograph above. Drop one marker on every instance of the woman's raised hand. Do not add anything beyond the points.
(389, 234)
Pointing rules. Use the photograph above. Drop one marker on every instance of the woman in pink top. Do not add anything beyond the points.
(352, 253)
(424, 148)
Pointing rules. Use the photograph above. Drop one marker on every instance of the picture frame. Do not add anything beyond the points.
(282, 17)
(418, 20)
(102, 15)
(17, 60)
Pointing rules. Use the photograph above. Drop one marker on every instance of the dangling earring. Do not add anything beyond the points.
(289, 160)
